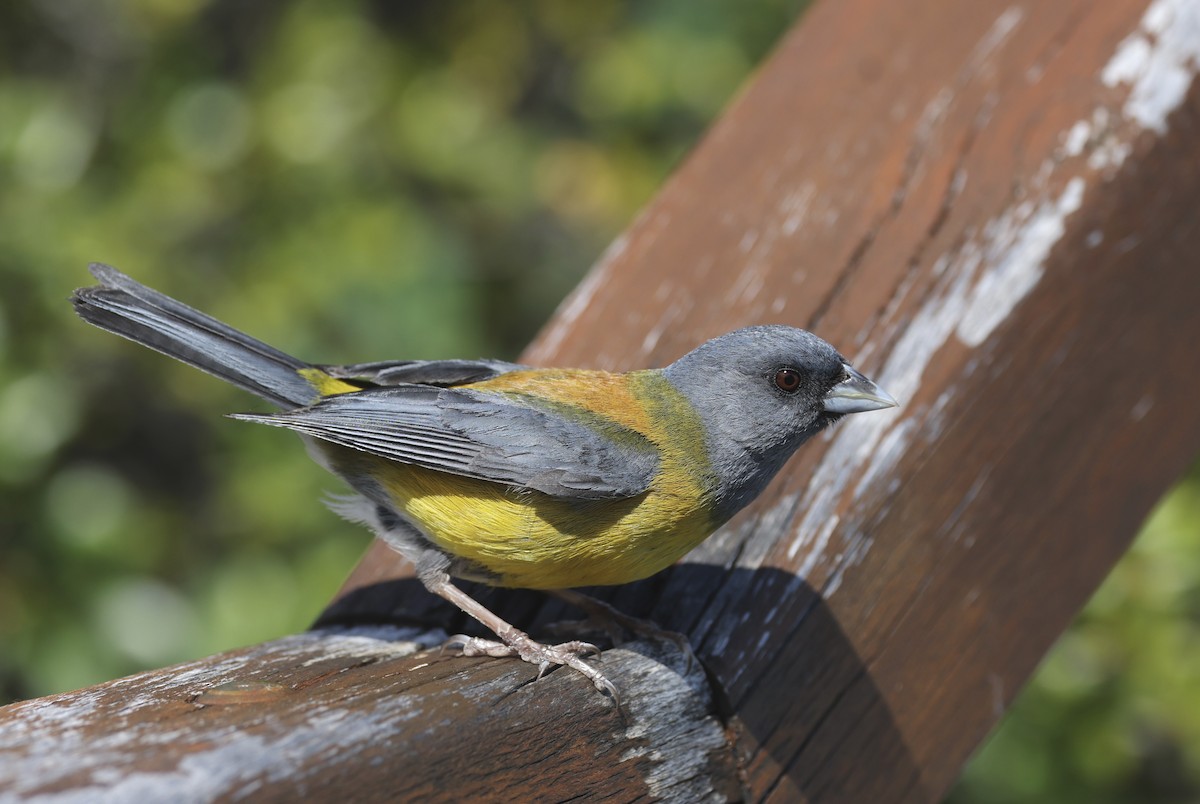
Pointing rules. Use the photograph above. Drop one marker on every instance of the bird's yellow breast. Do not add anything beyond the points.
(529, 539)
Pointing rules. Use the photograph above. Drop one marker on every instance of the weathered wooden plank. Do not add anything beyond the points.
(990, 207)
(370, 715)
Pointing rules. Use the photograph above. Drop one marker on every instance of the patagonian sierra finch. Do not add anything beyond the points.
(526, 477)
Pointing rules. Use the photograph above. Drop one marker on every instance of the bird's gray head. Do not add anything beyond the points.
(761, 393)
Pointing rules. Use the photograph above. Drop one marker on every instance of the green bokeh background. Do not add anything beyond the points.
(370, 180)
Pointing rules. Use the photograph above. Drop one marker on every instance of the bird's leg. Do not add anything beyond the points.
(433, 565)
(513, 641)
(613, 621)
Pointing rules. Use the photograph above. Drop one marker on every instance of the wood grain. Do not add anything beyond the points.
(990, 207)
(370, 714)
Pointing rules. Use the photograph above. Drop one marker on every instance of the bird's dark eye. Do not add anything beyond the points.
(787, 380)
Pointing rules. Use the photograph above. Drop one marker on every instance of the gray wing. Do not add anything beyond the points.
(424, 372)
(481, 435)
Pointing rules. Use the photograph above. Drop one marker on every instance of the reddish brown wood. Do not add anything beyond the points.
(370, 716)
(977, 203)
(989, 206)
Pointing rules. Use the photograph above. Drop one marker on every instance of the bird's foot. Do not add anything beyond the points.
(544, 657)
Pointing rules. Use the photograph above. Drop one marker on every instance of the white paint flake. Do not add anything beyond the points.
(1015, 245)
(1077, 137)
(794, 207)
(1001, 29)
(1159, 62)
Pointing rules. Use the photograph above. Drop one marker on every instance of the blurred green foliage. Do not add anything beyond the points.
(356, 180)
(348, 180)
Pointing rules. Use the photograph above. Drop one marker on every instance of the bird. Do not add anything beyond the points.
(524, 477)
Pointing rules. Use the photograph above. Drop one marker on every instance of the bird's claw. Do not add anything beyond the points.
(544, 657)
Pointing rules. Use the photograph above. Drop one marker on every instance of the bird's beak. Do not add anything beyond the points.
(857, 394)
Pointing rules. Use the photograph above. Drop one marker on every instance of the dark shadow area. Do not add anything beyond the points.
(803, 707)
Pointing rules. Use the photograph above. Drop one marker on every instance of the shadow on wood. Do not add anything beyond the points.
(990, 207)
(372, 715)
(375, 712)
(813, 662)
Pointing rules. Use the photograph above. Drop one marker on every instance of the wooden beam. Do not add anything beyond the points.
(990, 207)
(368, 714)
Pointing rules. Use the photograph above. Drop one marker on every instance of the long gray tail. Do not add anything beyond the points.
(132, 310)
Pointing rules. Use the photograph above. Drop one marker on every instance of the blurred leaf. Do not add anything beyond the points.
(348, 180)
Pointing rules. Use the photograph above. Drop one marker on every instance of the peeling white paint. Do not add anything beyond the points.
(822, 509)
(997, 34)
(748, 240)
(794, 207)
(771, 614)
(375, 642)
(891, 447)
(859, 545)
(59, 746)
(750, 283)
(1016, 247)
(981, 282)
(1159, 62)
(1129, 62)
(1077, 138)
(854, 456)
(771, 520)
(1097, 137)
(1110, 153)
(690, 732)
(933, 115)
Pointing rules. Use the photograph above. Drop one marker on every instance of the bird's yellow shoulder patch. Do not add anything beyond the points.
(325, 384)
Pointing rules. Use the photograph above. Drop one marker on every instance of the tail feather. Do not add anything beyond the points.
(127, 308)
